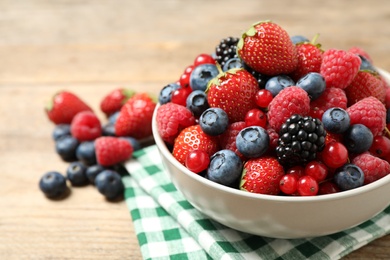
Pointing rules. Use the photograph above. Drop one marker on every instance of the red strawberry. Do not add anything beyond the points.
(64, 106)
(309, 59)
(227, 140)
(262, 175)
(86, 126)
(365, 84)
(135, 117)
(171, 119)
(331, 97)
(289, 101)
(193, 138)
(268, 49)
(373, 167)
(112, 150)
(369, 112)
(114, 100)
(339, 68)
(233, 91)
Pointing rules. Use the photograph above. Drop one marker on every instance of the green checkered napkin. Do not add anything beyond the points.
(168, 227)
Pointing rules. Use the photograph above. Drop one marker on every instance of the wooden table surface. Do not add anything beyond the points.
(91, 47)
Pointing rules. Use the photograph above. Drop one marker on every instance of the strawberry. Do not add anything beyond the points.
(267, 48)
(339, 68)
(193, 138)
(373, 167)
(114, 100)
(291, 100)
(112, 150)
(135, 117)
(64, 106)
(85, 126)
(365, 84)
(171, 119)
(331, 97)
(369, 112)
(262, 175)
(233, 91)
(309, 59)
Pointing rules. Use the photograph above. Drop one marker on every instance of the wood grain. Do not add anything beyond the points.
(91, 47)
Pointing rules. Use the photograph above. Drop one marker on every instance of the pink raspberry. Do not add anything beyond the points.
(369, 112)
(171, 119)
(373, 167)
(339, 67)
(289, 101)
(331, 97)
(227, 140)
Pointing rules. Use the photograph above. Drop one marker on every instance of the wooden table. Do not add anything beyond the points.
(91, 47)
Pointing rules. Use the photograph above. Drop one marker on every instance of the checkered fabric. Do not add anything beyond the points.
(168, 227)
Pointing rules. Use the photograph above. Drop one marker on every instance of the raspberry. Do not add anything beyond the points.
(373, 167)
(339, 67)
(289, 101)
(86, 126)
(171, 119)
(369, 112)
(331, 97)
(227, 140)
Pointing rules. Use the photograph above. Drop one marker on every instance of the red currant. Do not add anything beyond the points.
(179, 96)
(328, 187)
(197, 161)
(263, 98)
(256, 117)
(307, 186)
(297, 170)
(317, 170)
(288, 184)
(203, 59)
(380, 146)
(184, 80)
(334, 155)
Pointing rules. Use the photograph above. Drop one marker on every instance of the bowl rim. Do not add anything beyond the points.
(277, 198)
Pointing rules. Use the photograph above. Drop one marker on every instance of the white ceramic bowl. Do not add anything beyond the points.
(277, 216)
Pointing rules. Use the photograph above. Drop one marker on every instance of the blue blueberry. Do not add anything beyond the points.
(92, 171)
(75, 173)
(85, 152)
(298, 39)
(166, 93)
(277, 83)
(201, 76)
(233, 63)
(61, 130)
(348, 177)
(214, 121)
(109, 184)
(53, 184)
(225, 167)
(66, 148)
(108, 129)
(313, 83)
(336, 120)
(252, 141)
(113, 117)
(197, 102)
(133, 142)
(366, 64)
(358, 138)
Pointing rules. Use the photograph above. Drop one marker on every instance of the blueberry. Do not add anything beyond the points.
(313, 83)
(225, 167)
(76, 174)
(166, 93)
(113, 117)
(66, 148)
(201, 76)
(197, 102)
(92, 171)
(336, 120)
(232, 63)
(358, 138)
(298, 39)
(214, 121)
(85, 152)
(133, 142)
(60, 131)
(388, 116)
(53, 184)
(366, 64)
(109, 183)
(277, 83)
(252, 141)
(108, 129)
(348, 177)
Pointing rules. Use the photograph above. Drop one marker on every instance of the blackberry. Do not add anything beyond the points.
(261, 78)
(226, 50)
(300, 138)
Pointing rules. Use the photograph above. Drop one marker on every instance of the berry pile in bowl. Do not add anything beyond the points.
(272, 135)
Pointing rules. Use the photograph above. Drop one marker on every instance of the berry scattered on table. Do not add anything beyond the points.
(75, 173)
(86, 126)
(114, 100)
(53, 184)
(109, 184)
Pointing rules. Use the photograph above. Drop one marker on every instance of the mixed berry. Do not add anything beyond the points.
(273, 114)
